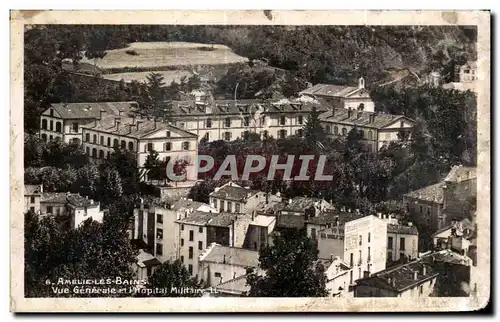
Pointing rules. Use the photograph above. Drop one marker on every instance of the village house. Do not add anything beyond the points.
(259, 232)
(360, 241)
(458, 236)
(466, 73)
(221, 265)
(402, 240)
(32, 196)
(414, 279)
(64, 121)
(337, 276)
(145, 265)
(342, 96)
(436, 205)
(232, 197)
(154, 223)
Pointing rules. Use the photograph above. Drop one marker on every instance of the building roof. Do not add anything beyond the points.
(231, 256)
(91, 110)
(401, 229)
(198, 218)
(465, 223)
(460, 173)
(263, 221)
(361, 118)
(401, 277)
(271, 207)
(33, 189)
(333, 217)
(236, 286)
(300, 204)
(187, 203)
(65, 197)
(290, 221)
(233, 192)
(145, 259)
(433, 193)
(329, 90)
(222, 219)
(449, 256)
(129, 127)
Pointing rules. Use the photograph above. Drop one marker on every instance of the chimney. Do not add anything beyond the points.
(424, 270)
(267, 198)
(415, 275)
(101, 113)
(289, 201)
(138, 125)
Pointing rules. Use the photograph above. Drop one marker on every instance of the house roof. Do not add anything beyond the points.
(263, 221)
(334, 216)
(300, 204)
(62, 198)
(233, 192)
(460, 173)
(128, 127)
(32, 189)
(145, 259)
(91, 110)
(449, 256)
(231, 256)
(401, 229)
(237, 285)
(465, 223)
(433, 193)
(290, 221)
(361, 118)
(270, 208)
(222, 219)
(197, 217)
(187, 203)
(329, 90)
(401, 277)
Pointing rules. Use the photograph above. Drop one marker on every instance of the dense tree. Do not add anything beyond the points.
(174, 277)
(313, 130)
(96, 47)
(112, 184)
(291, 269)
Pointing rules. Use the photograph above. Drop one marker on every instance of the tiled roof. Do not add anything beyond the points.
(62, 197)
(401, 277)
(334, 216)
(237, 285)
(290, 221)
(187, 203)
(401, 229)
(198, 218)
(222, 219)
(128, 127)
(145, 259)
(300, 204)
(360, 118)
(91, 110)
(231, 256)
(460, 173)
(329, 90)
(32, 189)
(270, 208)
(263, 221)
(232, 192)
(433, 193)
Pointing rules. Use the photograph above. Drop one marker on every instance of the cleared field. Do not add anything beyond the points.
(156, 54)
(169, 76)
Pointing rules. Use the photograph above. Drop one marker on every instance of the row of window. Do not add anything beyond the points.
(360, 258)
(229, 206)
(94, 153)
(246, 121)
(390, 243)
(50, 126)
(167, 146)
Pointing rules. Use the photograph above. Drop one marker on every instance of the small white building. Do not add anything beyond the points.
(233, 198)
(145, 265)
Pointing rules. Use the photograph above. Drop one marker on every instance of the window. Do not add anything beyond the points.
(360, 258)
(51, 125)
(227, 136)
(282, 134)
(237, 208)
(300, 119)
(351, 277)
(229, 206)
(159, 249)
(200, 230)
(208, 123)
(190, 252)
(336, 130)
(94, 153)
(227, 122)
(58, 127)
(360, 240)
(87, 137)
(421, 291)
(190, 269)
(109, 142)
(200, 245)
(217, 274)
(168, 146)
(282, 120)
(32, 199)
(428, 211)
(421, 209)
(149, 147)
(328, 129)
(351, 260)
(369, 253)
(313, 233)
(221, 207)
(402, 124)
(369, 237)
(44, 124)
(115, 143)
(182, 242)
(51, 138)
(370, 135)
(182, 227)
(361, 107)
(101, 154)
(102, 140)
(246, 121)
(75, 127)
(51, 113)
(389, 242)
(123, 144)
(168, 134)
(32, 209)
(182, 259)
(94, 138)
(159, 233)
(185, 146)
(87, 149)
(344, 131)
(207, 136)
(402, 243)
(131, 146)
(44, 137)
(215, 203)
(191, 235)
(159, 218)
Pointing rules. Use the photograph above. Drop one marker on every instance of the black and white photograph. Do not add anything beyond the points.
(230, 160)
